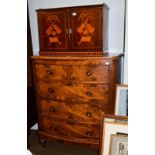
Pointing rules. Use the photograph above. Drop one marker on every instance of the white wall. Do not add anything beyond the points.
(116, 19)
(125, 78)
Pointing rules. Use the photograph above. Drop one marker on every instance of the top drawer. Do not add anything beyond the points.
(76, 71)
(89, 73)
(90, 70)
(50, 72)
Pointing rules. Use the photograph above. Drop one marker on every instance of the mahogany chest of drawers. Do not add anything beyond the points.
(72, 92)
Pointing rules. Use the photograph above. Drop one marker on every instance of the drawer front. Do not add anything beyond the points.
(50, 72)
(68, 128)
(74, 92)
(90, 73)
(81, 112)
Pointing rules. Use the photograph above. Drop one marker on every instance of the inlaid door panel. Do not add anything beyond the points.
(86, 27)
(52, 30)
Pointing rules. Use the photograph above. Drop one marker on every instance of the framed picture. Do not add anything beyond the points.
(118, 145)
(111, 124)
(121, 100)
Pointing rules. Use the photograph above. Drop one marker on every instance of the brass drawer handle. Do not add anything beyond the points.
(52, 109)
(89, 93)
(50, 90)
(89, 114)
(49, 72)
(88, 73)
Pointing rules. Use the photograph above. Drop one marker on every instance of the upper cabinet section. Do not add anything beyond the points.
(73, 30)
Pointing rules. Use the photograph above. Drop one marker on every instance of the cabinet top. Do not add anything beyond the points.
(75, 7)
(112, 56)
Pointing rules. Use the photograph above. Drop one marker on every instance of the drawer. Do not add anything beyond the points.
(69, 128)
(81, 112)
(77, 92)
(98, 73)
(50, 72)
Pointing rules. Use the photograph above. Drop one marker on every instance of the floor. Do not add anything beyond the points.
(55, 148)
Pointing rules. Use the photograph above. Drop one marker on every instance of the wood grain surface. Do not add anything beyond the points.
(72, 93)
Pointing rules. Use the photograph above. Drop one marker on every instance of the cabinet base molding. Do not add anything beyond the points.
(72, 53)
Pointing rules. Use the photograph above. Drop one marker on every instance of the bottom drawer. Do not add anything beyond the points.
(69, 128)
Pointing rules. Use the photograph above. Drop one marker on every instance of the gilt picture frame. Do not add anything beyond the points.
(111, 124)
(121, 100)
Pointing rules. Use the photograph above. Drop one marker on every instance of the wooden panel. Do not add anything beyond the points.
(71, 99)
(89, 73)
(50, 61)
(69, 128)
(71, 91)
(90, 61)
(81, 112)
(50, 72)
(86, 26)
(52, 30)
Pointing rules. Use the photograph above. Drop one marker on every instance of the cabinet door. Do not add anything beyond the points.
(52, 30)
(86, 29)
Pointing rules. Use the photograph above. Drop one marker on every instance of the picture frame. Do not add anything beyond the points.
(121, 100)
(118, 144)
(111, 124)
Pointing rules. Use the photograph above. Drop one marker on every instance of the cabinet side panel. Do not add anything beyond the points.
(105, 28)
